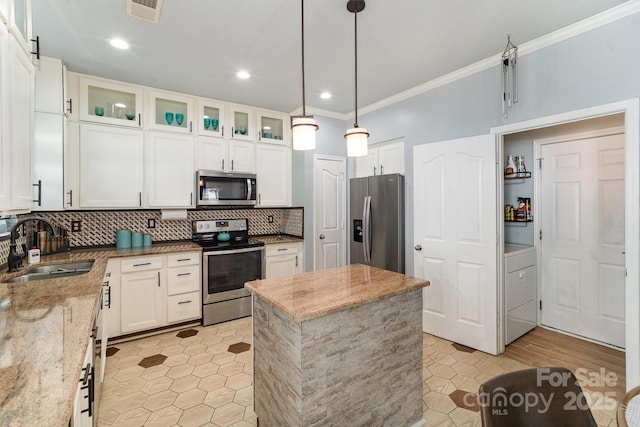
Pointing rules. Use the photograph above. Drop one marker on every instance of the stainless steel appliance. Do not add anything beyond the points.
(376, 218)
(216, 188)
(229, 259)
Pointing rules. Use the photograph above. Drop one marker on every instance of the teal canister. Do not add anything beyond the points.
(136, 240)
(146, 240)
(123, 239)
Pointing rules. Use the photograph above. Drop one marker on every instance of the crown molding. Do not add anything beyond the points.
(608, 16)
(321, 112)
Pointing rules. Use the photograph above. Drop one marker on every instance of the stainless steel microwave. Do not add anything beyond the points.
(216, 188)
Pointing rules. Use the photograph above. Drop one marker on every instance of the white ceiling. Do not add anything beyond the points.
(198, 45)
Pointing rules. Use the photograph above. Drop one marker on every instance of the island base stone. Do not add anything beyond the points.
(358, 367)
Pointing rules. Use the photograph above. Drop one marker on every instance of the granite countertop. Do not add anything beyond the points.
(315, 294)
(44, 332)
(275, 238)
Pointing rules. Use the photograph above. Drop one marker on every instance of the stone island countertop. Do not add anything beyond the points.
(44, 332)
(309, 295)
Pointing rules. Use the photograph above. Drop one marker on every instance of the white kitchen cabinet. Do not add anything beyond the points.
(384, 158)
(273, 169)
(82, 416)
(71, 95)
(143, 294)
(47, 160)
(183, 287)
(72, 165)
(229, 156)
(283, 259)
(521, 293)
(273, 127)
(4, 11)
(19, 90)
(170, 112)
(5, 170)
(111, 166)
(18, 19)
(170, 170)
(242, 121)
(110, 102)
(112, 298)
(211, 118)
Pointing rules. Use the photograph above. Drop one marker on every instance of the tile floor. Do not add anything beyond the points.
(201, 376)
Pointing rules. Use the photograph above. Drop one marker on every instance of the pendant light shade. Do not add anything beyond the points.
(303, 128)
(356, 137)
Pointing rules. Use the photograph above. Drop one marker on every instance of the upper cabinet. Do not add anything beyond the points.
(18, 20)
(381, 159)
(170, 112)
(242, 123)
(273, 167)
(108, 102)
(211, 118)
(273, 127)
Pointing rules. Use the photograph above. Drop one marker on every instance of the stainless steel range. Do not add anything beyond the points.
(229, 259)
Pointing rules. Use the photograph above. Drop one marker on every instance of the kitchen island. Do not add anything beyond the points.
(338, 347)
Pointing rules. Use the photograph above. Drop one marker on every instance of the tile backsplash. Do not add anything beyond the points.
(97, 228)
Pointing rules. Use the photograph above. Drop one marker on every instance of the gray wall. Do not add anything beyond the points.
(594, 68)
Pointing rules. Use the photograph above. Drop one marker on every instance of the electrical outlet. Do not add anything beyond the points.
(270, 219)
(151, 223)
(75, 226)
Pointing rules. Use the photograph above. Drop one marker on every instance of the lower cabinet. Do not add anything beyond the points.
(521, 292)
(83, 415)
(153, 291)
(283, 259)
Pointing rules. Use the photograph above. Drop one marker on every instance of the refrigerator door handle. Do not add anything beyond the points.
(366, 231)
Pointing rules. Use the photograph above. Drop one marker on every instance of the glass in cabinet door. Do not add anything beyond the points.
(242, 124)
(271, 129)
(172, 113)
(211, 120)
(110, 102)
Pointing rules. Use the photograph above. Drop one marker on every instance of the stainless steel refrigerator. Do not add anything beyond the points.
(376, 221)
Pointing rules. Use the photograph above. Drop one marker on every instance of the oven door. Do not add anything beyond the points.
(224, 273)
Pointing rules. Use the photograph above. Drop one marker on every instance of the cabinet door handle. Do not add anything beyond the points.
(140, 197)
(259, 135)
(232, 131)
(39, 199)
(70, 109)
(259, 199)
(222, 164)
(190, 126)
(184, 274)
(296, 260)
(141, 264)
(70, 193)
(37, 42)
(231, 164)
(222, 128)
(109, 297)
(282, 249)
(374, 171)
(184, 302)
(158, 279)
(140, 119)
(184, 259)
(191, 198)
(381, 170)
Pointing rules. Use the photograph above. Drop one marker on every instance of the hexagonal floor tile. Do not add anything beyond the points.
(149, 361)
(187, 333)
(240, 347)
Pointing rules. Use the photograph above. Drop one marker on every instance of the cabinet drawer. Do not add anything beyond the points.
(521, 287)
(183, 279)
(184, 307)
(140, 264)
(282, 249)
(186, 258)
(520, 260)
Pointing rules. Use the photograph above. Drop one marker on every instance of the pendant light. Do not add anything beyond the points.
(356, 136)
(303, 128)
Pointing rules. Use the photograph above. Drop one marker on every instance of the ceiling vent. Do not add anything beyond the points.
(148, 10)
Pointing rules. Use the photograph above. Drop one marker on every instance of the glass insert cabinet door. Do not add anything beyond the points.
(110, 103)
(273, 127)
(171, 112)
(211, 118)
(242, 123)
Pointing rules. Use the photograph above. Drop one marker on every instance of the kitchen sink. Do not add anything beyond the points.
(54, 271)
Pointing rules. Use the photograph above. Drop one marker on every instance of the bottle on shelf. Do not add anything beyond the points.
(510, 169)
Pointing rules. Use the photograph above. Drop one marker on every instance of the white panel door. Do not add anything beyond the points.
(329, 210)
(582, 248)
(455, 239)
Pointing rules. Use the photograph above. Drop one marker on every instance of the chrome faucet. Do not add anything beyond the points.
(14, 260)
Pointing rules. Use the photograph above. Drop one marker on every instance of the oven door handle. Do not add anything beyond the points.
(234, 251)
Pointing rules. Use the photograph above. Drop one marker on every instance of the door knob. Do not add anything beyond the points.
(418, 247)
(321, 236)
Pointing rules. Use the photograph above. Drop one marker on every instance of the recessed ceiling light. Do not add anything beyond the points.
(325, 95)
(119, 43)
(243, 75)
